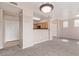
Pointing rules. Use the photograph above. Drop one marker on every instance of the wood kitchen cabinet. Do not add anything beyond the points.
(42, 25)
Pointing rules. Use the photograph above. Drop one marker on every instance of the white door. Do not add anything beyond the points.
(11, 28)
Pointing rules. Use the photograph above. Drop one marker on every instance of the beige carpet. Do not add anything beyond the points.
(49, 48)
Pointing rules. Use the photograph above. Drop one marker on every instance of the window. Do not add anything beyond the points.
(76, 23)
(65, 24)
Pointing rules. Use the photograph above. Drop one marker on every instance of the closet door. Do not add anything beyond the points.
(11, 30)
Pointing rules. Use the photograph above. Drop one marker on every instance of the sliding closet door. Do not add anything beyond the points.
(11, 29)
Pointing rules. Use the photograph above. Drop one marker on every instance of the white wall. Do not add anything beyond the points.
(27, 24)
(70, 32)
(27, 32)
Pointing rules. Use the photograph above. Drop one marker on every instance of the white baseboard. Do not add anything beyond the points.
(28, 46)
(41, 41)
(11, 43)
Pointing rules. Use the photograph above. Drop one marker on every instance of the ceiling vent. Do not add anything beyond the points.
(14, 3)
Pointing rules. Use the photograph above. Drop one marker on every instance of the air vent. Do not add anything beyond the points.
(14, 3)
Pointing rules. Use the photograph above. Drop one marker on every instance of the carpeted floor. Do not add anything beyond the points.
(48, 48)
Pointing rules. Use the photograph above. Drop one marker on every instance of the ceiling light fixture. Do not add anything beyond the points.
(46, 8)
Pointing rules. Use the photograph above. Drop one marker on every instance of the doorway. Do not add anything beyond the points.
(12, 25)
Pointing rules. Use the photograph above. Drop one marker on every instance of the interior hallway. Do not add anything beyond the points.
(48, 48)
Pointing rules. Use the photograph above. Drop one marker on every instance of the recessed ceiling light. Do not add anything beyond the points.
(36, 18)
(46, 8)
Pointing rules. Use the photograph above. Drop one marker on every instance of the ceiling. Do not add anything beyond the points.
(62, 10)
